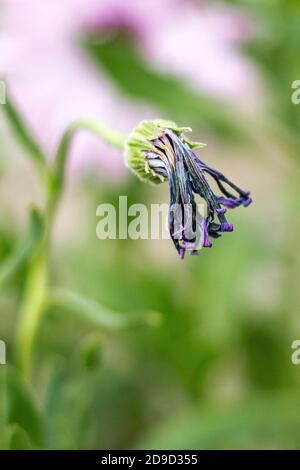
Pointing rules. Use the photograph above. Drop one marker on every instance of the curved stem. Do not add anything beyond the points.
(95, 313)
(22, 254)
(31, 309)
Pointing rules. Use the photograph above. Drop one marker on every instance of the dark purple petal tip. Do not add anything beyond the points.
(194, 253)
(226, 227)
(247, 202)
(222, 210)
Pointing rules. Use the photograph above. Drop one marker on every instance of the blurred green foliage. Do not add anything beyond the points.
(215, 372)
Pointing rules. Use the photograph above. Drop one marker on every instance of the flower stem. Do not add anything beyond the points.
(106, 134)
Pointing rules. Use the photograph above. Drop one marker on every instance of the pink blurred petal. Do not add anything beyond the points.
(195, 41)
(55, 83)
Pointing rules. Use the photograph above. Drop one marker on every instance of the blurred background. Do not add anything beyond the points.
(139, 349)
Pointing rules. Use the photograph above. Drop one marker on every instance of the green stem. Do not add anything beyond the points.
(31, 309)
(29, 144)
(95, 313)
(36, 289)
(23, 253)
(106, 134)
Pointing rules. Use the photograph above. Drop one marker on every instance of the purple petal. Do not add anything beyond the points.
(206, 243)
(226, 227)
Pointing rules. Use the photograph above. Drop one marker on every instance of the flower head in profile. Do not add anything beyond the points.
(158, 151)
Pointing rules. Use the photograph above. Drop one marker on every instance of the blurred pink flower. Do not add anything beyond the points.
(54, 82)
(196, 41)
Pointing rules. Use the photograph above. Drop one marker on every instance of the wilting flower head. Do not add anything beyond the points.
(157, 151)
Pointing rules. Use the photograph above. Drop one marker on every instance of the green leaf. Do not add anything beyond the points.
(24, 250)
(18, 438)
(106, 134)
(97, 314)
(3, 408)
(89, 354)
(32, 308)
(72, 386)
(22, 409)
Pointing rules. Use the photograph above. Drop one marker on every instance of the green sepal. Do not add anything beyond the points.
(139, 141)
